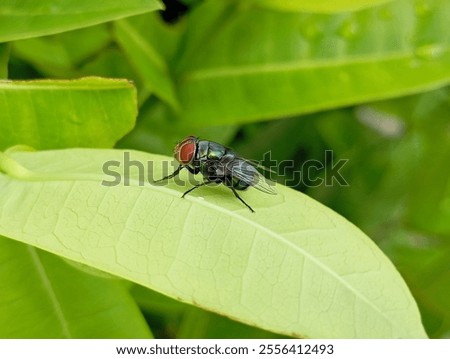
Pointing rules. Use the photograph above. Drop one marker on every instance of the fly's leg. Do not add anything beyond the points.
(175, 173)
(194, 170)
(228, 184)
(197, 186)
(240, 199)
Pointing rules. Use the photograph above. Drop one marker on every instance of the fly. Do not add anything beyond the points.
(218, 164)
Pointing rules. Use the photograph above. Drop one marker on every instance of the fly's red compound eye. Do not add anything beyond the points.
(185, 150)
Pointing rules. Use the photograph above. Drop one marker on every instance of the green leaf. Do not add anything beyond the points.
(150, 65)
(164, 38)
(293, 267)
(43, 297)
(113, 63)
(92, 112)
(59, 55)
(4, 58)
(253, 64)
(323, 6)
(25, 19)
(82, 307)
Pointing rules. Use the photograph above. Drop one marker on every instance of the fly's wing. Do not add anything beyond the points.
(246, 172)
(260, 166)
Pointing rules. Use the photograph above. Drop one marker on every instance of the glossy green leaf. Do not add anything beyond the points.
(89, 112)
(323, 6)
(150, 65)
(4, 58)
(43, 297)
(246, 64)
(25, 19)
(293, 267)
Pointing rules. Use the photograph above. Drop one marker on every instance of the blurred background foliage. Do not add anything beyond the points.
(370, 86)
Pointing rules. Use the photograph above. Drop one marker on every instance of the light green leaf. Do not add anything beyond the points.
(247, 64)
(4, 58)
(150, 65)
(323, 6)
(25, 19)
(293, 267)
(43, 114)
(42, 297)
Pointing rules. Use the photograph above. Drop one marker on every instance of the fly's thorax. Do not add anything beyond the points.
(208, 150)
(202, 150)
(211, 158)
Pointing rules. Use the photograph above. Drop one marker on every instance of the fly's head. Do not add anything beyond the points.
(184, 152)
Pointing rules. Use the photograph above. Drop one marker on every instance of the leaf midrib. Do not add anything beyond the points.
(230, 213)
(257, 69)
(45, 280)
(297, 249)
